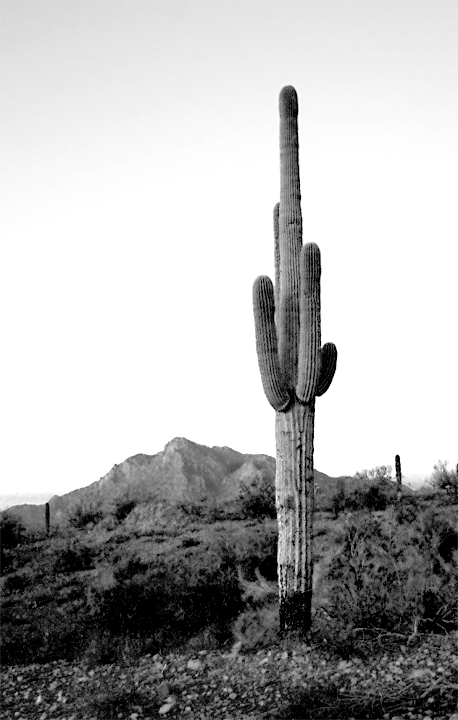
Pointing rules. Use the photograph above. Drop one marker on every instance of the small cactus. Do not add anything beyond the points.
(294, 369)
(397, 462)
(47, 518)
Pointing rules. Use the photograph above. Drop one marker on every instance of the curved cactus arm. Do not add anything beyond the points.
(310, 326)
(266, 344)
(328, 364)
(290, 229)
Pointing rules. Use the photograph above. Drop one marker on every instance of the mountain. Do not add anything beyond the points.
(8, 500)
(183, 472)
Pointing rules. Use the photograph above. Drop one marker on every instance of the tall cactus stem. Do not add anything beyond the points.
(397, 462)
(47, 518)
(277, 258)
(290, 225)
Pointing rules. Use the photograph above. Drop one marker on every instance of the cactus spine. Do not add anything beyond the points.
(47, 516)
(397, 462)
(295, 369)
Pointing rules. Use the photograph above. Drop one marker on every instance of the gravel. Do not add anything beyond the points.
(416, 683)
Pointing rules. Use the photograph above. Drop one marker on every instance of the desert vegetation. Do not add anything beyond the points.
(159, 579)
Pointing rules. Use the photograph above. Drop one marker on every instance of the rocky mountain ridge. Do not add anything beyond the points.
(183, 472)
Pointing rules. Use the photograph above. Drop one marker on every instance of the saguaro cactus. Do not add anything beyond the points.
(294, 370)
(397, 462)
(47, 518)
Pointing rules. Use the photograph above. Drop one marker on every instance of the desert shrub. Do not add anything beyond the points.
(128, 568)
(437, 540)
(206, 510)
(172, 599)
(72, 556)
(376, 497)
(258, 628)
(190, 542)
(407, 509)
(152, 517)
(123, 507)
(120, 536)
(85, 513)
(392, 578)
(381, 473)
(254, 547)
(103, 648)
(257, 498)
(446, 480)
(12, 534)
(19, 580)
(338, 499)
(12, 531)
(258, 624)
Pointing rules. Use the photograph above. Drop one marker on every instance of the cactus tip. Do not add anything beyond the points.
(288, 101)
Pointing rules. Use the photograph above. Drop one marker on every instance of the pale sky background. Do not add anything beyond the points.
(140, 169)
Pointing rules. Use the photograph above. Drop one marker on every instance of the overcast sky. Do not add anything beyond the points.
(140, 170)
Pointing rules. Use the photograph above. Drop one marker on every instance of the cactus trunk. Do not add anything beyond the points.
(295, 369)
(397, 462)
(295, 500)
(47, 518)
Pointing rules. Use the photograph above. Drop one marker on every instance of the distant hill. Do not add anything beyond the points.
(8, 500)
(182, 472)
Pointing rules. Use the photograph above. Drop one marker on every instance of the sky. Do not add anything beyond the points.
(140, 168)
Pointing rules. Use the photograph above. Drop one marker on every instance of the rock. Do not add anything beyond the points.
(163, 691)
(419, 673)
(235, 649)
(194, 665)
(168, 705)
(343, 665)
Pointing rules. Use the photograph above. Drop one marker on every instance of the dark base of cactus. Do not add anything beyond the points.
(296, 613)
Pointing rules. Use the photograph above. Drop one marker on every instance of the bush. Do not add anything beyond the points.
(12, 531)
(393, 578)
(172, 600)
(20, 580)
(376, 497)
(73, 556)
(257, 499)
(205, 510)
(12, 534)
(84, 513)
(258, 625)
(407, 509)
(445, 479)
(123, 507)
(338, 499)
(254, 548)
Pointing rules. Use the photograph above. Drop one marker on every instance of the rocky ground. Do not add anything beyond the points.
(414, 682)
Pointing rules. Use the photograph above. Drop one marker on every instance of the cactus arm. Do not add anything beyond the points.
(266, 344)
(310, 327)
(290, 228)
(328, 356)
